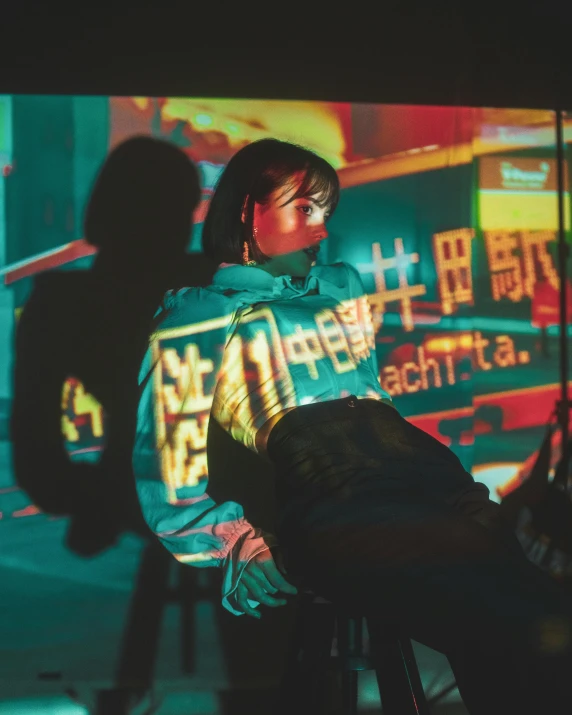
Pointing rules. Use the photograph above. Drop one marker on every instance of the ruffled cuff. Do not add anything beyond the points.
(248, 545)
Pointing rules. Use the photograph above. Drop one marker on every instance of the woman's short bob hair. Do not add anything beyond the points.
(251, 175)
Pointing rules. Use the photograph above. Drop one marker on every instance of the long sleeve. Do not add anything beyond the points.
(169, 462)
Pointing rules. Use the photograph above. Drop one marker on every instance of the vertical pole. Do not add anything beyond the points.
(563, 411)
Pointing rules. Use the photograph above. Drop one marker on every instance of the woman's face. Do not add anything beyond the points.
(290, 231)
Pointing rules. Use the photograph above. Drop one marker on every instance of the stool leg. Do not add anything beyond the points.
(392, 679)
(349, 692)
(304, 682)
(397, 674)
(414, 678)
(350, 646)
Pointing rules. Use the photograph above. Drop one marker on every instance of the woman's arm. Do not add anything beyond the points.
(169, 466)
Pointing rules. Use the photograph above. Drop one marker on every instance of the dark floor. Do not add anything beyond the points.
(187, 703)
(63, 619)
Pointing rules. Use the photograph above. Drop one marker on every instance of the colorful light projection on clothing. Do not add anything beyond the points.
(259, 376)
(436, 363)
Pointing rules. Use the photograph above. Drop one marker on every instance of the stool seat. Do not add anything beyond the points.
(327, 637)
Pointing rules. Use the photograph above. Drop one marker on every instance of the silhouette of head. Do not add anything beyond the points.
(142, 203)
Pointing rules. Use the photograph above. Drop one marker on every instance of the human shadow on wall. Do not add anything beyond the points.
(85, 333)
(92, 326)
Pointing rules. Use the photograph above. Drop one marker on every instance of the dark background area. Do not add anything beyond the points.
(440, 53)
(447, 52)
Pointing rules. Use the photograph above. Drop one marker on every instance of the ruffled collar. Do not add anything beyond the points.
(256, 281)
(252, 285)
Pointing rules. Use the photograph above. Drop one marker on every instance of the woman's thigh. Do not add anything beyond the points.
(444, 576)
(393, 432)
(399, 449)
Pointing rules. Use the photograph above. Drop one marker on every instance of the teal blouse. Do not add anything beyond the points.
(240, 351)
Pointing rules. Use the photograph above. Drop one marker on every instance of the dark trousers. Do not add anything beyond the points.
(376, 515)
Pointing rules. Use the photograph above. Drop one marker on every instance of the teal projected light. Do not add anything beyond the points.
(438, 219)
(5, 166)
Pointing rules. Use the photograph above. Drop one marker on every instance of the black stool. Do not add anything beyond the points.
(319, 627)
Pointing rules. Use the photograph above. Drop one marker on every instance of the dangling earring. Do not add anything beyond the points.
(246, 260)
(246, 256)
(255, 236)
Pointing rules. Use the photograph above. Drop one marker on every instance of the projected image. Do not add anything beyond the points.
(254, 379)
(448, 214)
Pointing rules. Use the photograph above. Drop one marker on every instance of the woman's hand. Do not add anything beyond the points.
(260, 580)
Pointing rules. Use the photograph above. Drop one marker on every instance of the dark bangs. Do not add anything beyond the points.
(320, 182)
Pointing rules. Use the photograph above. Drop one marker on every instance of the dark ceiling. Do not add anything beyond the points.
(452, 53)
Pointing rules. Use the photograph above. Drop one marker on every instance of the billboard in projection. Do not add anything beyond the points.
(449, 214)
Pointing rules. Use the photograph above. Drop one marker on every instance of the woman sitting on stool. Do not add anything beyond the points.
(373, 513)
